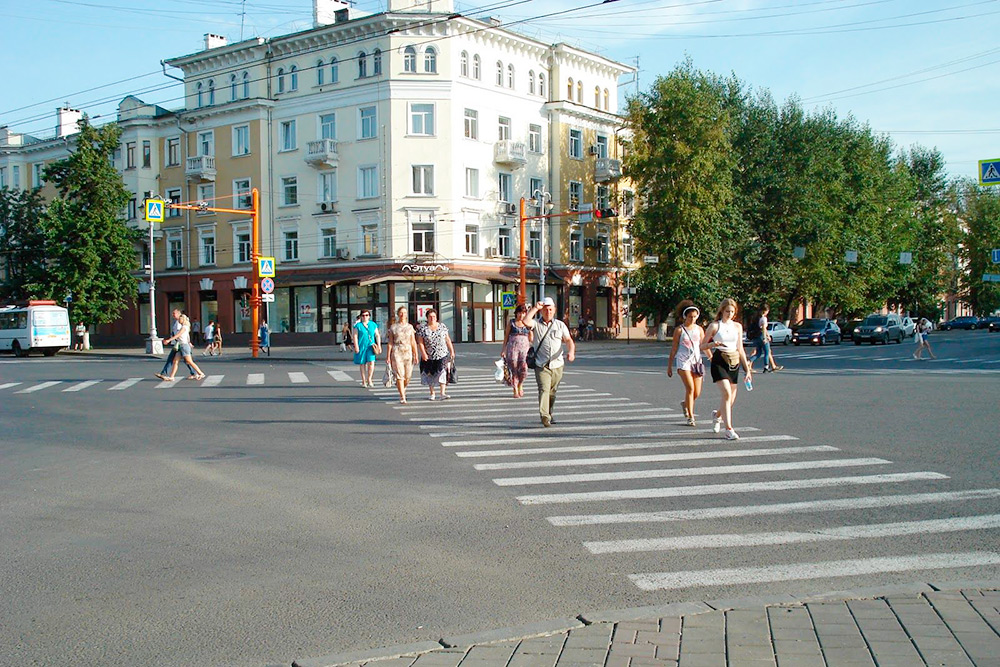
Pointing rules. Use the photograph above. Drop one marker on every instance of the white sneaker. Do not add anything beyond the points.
(716, 421)
(731, 434)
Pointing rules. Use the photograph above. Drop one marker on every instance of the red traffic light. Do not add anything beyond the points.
(606, 213)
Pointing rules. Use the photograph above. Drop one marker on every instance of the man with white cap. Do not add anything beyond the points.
(550, 334)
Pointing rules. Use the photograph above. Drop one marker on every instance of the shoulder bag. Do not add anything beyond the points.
(698, 367)
(533, 350)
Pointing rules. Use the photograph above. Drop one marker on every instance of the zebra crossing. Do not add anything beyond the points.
(632, 470)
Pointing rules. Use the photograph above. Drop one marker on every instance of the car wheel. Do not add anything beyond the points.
(786, 341)
(796, 343)
(836, 341)
(972, 327)
(857, 342)
(16, 349)
(50, 352)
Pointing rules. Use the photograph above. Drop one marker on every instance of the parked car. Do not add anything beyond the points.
(964, 322)
(993, 323)
(847, 328)
(879, 329)
(779, 333)
(816, 332)
(909, 327)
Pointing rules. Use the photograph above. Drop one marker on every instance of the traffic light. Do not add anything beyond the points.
(602, 213)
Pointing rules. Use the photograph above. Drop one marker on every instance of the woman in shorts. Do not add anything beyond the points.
(724, 338)
(685, 356)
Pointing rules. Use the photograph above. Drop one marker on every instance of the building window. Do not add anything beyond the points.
(233, 88)
(603, 197)
(290, 191)
(471, 124)
(423, 236)
(147, 154)
(38, 168)
(369, 126)
(499, 73)
(579, 92)
(206, 194)
(367, 182)
(246, 85)
(281, 80)
(173, 197)
(211, 92)
(423, 179)
(131, 213)
(293, 78)
(569, 89)
(243, 247)
(173, 151)
(506, 187)
(575, 195)
(576, 246)
(503, 242)
(477, 68)
(206, 143)
(328, 126)
(535, 244)
(607, 100)
(130, 155)
(628, 204)
(471, 182)
(628, 250)
(430, 60)
(510, 75)
(597, 97)
(15, 177)
(291, 239)
(541, 84)
(207, 248)
(175, 252)
(603, 247)
(410, 59)
(3, 177)
(327, 186)
(362, 65)
(602, 146)
(472, 239)
(200, 101)
(334, 71)
(463, 67)
(535, 138)
(503, 129)
(241, 140)
(576, 144)
(531, 82)
(422, 119)
(287, 131)
(376, 62)
(369, 240)
(320, 72)
(241, 193)
(329, 242)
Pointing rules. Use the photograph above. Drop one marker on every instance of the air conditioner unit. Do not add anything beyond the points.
(590, 243)
(343, 253)
(492, 252)
(328, 207)
(510, 209)
(595, 150)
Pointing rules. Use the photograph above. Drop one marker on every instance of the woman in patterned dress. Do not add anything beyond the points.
(402, 351)
(516, 341)
(435, 348)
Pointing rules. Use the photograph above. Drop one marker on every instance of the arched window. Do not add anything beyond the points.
(376, 62)
(607, 100)
(246, 85)
(198, 88)
(499, 73)
(464, 64)
(409, 59)
(531, 81)
(362, 65)
(510, 75)
(211, 92)
(293, 76)
(579, 92)
(569, 89)
(477, 68)
(431, 60)
(541, 84)
(597, 97)
(320, 72)
(233, 88)
(334, 70)
(281, 79)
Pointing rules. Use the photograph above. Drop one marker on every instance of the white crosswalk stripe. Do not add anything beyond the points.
(340, 376)
(167, 384)
(562, 413)
(514, 440)
(82, 385)
(255, 379)
(39, 387)
(212, 381)
(125, 384)
(8, 385)
(625, 446)
(527, 406)
(297, 377)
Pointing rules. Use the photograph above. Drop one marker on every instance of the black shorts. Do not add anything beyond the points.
(722, 371)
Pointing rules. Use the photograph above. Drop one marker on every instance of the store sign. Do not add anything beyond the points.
(425, 268)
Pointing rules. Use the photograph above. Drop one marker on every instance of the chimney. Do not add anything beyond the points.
(214, 41)
(433, 6)
(66, 120)
(327, 12)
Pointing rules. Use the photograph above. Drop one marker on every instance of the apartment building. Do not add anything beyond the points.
(391, 151)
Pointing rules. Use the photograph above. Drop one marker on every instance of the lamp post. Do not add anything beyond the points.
(541, 200)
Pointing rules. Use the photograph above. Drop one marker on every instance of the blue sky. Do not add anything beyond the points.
(922, 71)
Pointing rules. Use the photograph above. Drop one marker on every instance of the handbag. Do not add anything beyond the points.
(389, 377)
(499, 373)
(698, 367)
(533, 350)
(452, 373)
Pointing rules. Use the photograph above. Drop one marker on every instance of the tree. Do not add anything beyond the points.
(90, 248)
(980, 211)
(22, 244)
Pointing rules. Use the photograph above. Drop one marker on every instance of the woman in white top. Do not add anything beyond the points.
(685, 356)
(725, 338)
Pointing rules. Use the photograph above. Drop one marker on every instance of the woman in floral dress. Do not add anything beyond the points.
(516, 341)
(402, 352)
(436, 354)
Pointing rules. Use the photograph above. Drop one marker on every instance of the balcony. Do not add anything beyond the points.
(511, 153)
(607, 169)
(201, 167)
(322, 153)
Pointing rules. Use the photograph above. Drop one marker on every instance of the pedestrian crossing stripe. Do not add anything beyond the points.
(154, 210)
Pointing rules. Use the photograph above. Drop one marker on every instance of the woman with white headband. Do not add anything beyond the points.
(685, 356)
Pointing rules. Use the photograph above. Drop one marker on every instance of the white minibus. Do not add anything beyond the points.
(41, 325)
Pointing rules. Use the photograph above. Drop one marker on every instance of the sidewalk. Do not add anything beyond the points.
(898, 626)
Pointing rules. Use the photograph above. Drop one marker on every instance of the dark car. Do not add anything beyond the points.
(816, 332)
(993, 323)
(964, 322)
(847, 328)
(879, 329)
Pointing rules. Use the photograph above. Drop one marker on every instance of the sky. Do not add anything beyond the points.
(921, 71)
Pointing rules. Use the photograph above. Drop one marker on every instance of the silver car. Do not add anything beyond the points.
(779, 333)
(909, 326)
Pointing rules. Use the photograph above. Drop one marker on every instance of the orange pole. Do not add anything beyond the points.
(255, 293)
(522, 293)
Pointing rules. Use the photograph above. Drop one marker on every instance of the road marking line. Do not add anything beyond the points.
(340, 376)
(836, 505)
(522, 426)
(618, 447)
(212, 380)
(723, 489)
(591, 436)
(484, 390)
(527, 407)
(817, 570)
(656, 458)
(587, 411)
(125, 384)
(167, 384)
(687, 472)
(39, 387)
(838, 533)
(522, 408)
(82, 385)
(255, 378)
(8, 385)
(297, 378)
(479, 399)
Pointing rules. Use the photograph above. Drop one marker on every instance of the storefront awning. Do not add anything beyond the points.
(461, 277)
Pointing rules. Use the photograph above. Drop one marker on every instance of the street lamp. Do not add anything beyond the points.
(543, 201)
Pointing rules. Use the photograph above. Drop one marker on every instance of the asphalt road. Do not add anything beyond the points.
(281, 511)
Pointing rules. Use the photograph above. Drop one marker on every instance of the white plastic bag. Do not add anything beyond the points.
(498, 373)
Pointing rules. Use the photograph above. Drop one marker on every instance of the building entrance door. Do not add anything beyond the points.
(421, 300)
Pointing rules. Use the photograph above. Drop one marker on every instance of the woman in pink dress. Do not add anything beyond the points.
(516, 341)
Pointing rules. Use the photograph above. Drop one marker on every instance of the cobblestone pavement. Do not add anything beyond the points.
(903, 626)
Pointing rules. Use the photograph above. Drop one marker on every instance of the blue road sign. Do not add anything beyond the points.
(265, 267)
(267, 285)
(996, 255)
(989, 172)
(508, 300)
(154, 210)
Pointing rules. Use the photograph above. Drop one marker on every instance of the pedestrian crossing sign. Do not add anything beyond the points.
(154, 210)
(989, 172)
(265, 267)
(508, 300)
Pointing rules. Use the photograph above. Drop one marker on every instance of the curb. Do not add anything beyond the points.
(386, 653)
(517, 632)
